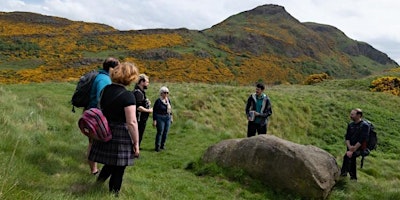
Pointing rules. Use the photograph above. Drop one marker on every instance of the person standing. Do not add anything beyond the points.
(101, 80)
(356, 139)
(258, 109)
(162, 118)
(119, 107)
(143, 104)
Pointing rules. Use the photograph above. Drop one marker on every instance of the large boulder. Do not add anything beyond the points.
(307, 171)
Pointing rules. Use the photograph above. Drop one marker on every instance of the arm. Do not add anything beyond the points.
(248, 106)
(155, 108)
(268, 109)
(131, 122)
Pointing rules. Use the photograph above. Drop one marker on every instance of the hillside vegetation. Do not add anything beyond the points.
(43, 152)
(265, 43)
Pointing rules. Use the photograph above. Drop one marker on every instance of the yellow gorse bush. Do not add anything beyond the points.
(388, 84)
(316, 78)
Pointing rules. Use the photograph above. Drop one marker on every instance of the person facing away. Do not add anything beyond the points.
(258, 109)
(101, 80)
(356, 139)
(143, 104)
(162, 118)
(119, 107)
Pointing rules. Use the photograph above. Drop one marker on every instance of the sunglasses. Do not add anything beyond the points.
(165, 92)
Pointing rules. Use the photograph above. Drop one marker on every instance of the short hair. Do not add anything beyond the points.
(125, 73)
(142, 78)
(164, 89)
(110, 62)
(260, 85)
(358, 111)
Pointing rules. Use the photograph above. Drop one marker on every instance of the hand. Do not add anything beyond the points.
(154, 123)
(150, 110)
(136, 151)
(349, 154)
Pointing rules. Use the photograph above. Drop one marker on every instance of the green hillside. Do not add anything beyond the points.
(265, 43)
(43, 153)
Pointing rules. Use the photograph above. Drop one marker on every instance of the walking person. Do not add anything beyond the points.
(162, 118)
(143, 104)
(119, 107)
(101, 80)
(258, 109)
(356, 140)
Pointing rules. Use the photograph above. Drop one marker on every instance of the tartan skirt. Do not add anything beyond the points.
(118, 151)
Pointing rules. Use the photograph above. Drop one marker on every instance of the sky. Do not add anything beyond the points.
(375, 22)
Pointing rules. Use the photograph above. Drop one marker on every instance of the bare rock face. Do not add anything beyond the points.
(307, 171)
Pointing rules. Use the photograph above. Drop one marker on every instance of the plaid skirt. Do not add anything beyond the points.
(118, 151)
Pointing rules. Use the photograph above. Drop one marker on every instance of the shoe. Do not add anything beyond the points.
(163, 148)
(353, 179)
(157, 149)
(343, 174)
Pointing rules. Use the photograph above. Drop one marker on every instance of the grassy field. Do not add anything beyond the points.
(42, 152)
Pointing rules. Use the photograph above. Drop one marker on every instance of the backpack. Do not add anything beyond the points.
(81, 96)
(94, 125)
(372, 141)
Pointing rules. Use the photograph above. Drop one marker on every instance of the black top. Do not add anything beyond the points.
(140, 96)
(357, 132)
(160, 108)
(113, 105)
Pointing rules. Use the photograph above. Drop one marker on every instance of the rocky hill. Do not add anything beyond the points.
(264, 44)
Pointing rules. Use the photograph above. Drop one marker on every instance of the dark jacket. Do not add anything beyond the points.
(357, 132)
(266, 109)
(141, 100)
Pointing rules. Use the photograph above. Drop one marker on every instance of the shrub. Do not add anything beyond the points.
(386, 84)
(316, 78)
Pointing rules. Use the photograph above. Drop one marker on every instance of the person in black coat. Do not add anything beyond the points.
(258, 110)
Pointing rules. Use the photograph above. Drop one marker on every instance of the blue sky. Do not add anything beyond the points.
(371, 21)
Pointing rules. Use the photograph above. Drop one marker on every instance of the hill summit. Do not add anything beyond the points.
(263, 44)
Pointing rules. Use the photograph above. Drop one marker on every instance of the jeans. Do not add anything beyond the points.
(163, 124)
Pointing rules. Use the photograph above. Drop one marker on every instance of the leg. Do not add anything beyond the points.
(345, 166)
(104, 173)
(160, 130)
(251, 129)
(353, 167)
(262, 130)
(92, 165)
(165, 132)
(116, 179)
(141, 128)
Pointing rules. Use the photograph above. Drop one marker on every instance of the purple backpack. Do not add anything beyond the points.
(94, 125)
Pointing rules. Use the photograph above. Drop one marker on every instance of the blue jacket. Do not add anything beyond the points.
(101, 81)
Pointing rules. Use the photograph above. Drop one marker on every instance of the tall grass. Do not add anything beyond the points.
(43, 154)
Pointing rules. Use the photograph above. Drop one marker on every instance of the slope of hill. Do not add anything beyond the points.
(43, 152)
(264, 44)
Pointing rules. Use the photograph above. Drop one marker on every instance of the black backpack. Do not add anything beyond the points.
(81, 96)
(372, 142)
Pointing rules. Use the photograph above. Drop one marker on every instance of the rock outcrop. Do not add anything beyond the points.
(307, 171)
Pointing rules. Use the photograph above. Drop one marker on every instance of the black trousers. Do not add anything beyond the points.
(350, 165)
(141, 127)
(253, 128)
(115, 173)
